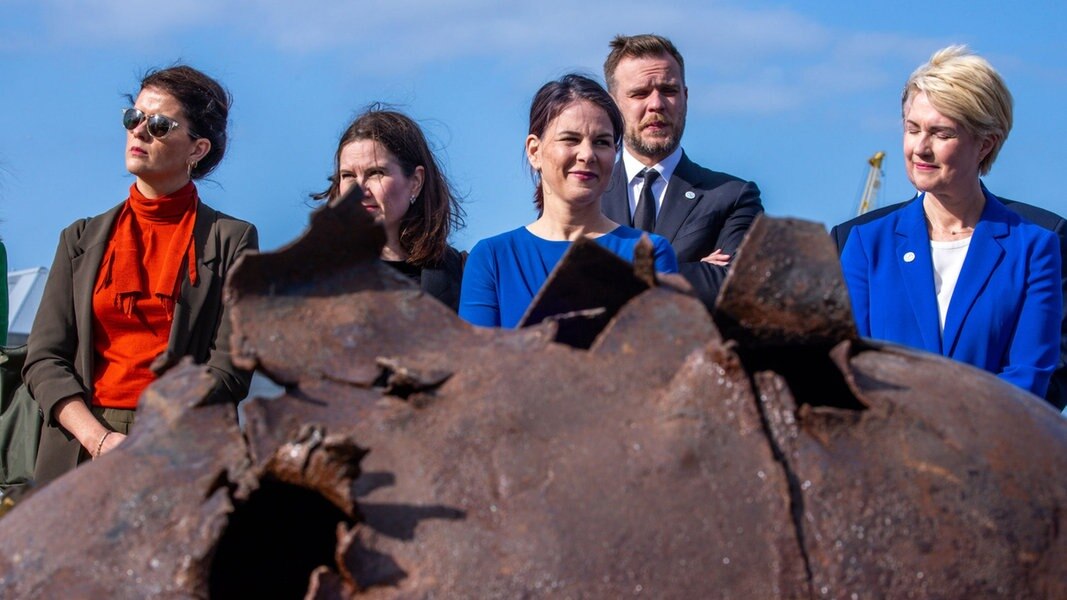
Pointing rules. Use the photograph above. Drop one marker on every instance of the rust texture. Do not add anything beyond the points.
(617, 446)
(790, 294)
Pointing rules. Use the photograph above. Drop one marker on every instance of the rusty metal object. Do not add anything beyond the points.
(142, 521)
(785, 288)
(955, 495)
(413, 455)
(588, 288)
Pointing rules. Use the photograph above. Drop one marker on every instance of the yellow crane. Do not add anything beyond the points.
(874, 183)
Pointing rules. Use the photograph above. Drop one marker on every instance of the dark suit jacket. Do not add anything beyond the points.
(702, 211)
(1057, 389)
(59, 362)
(444, 280)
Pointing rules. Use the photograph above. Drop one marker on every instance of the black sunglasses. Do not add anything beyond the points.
(159, 126)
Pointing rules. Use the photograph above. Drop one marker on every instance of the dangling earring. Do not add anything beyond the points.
(192, 165)
(413, 199)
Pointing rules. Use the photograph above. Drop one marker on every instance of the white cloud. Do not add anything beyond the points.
(430, 30)
(739, 59)
(749, 97)
(115, 21)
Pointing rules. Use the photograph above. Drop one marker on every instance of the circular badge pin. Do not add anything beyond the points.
(909, 256)
(690, 195)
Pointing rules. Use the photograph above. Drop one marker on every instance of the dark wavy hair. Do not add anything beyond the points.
(206, 105)
(553, 98)
(436, 213)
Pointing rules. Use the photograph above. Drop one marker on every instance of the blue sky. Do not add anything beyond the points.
(795, 96)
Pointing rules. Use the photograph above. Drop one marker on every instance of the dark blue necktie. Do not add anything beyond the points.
(645, 213)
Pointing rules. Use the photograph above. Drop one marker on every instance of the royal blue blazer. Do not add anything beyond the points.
(1004, 315)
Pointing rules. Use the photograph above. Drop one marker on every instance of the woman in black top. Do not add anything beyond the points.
(386, 154)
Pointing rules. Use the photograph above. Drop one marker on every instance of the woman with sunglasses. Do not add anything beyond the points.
(138, 287)
(385, 153)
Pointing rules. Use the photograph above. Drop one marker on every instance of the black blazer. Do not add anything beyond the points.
(443, 281)
(702, 211)
(1057, 388)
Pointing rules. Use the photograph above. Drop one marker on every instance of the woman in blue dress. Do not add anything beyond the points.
(575, 132)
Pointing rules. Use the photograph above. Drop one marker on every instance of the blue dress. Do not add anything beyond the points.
(505, 272)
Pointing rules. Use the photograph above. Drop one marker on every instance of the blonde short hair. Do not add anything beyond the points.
(965, 88)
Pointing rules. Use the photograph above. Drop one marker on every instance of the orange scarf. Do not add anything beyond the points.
(122, 271)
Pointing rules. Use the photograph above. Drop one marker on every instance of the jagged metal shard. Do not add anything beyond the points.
(790, 294)
(415, 456)
(588, 289)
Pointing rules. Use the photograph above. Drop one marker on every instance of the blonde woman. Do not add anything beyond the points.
(954, 272)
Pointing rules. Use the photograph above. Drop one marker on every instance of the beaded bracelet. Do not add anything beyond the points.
(100, 444)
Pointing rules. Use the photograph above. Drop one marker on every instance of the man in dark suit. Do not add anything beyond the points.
(703, 213)
(1057, 388)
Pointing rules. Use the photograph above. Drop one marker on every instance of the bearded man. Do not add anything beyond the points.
(655, 187)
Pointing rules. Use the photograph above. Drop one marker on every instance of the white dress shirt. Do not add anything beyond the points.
(635, 184)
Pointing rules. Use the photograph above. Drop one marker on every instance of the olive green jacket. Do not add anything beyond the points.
(59, 363)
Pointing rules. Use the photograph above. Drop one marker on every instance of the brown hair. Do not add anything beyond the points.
(554, 97)
(638, 46)
(436, 212)
(206, 105)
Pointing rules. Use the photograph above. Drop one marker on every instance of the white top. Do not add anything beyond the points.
(659, 186)
(948, 261)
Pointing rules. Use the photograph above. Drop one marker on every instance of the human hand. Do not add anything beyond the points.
(717, 258)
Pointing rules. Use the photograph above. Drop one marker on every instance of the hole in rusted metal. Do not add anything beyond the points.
(273, 542)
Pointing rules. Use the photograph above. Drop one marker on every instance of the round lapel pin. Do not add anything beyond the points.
(690, 195)
(909, 256)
